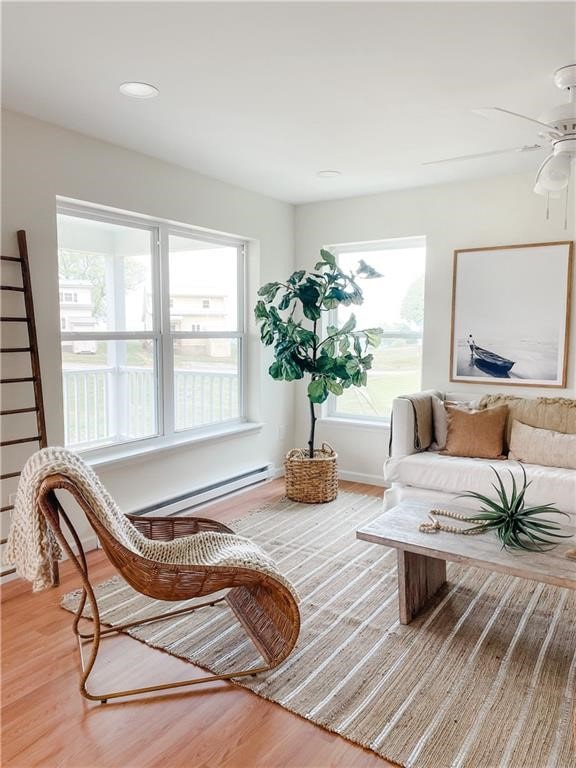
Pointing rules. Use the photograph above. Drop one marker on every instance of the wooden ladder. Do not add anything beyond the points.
(8, 383)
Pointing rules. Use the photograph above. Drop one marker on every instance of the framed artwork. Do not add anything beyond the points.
(511, 314)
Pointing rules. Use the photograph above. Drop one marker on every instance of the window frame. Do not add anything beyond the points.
(161, 334)
(330, 412)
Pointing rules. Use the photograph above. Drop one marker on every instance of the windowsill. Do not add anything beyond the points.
(132, 452)
(337, 421)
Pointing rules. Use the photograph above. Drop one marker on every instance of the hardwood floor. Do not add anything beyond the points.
(45, 721)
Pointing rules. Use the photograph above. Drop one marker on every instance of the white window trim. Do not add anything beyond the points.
(167, 437)
(329, 414)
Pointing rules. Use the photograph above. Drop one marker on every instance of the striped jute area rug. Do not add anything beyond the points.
(484, 678)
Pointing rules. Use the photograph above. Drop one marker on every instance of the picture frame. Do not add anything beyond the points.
(511, 314)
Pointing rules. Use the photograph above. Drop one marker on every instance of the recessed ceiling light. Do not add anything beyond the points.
(139, 90)
(329, 174)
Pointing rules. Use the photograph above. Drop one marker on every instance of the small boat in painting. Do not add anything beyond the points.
(490, 359)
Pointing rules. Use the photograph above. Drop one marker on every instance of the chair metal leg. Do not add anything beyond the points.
(149, 620)
(95, 639)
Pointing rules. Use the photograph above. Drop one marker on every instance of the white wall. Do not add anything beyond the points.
(41, 161)
(497, 211)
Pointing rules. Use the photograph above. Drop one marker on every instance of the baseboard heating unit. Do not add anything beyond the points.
(206, 493)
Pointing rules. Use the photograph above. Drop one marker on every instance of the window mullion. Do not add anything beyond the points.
(167, 344)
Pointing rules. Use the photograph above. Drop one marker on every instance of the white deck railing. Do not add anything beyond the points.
(109, 404)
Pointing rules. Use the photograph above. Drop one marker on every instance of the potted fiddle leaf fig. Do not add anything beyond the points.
(332, 359)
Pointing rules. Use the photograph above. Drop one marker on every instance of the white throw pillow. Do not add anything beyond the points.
(533, 445)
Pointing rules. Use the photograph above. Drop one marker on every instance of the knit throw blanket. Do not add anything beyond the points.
(32, 546)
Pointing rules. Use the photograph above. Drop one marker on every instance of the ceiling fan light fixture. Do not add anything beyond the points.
(554, 174)
(539, 190)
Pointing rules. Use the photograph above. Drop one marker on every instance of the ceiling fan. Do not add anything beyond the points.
(556, 128)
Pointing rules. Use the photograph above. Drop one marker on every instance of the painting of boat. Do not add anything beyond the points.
(489, 359)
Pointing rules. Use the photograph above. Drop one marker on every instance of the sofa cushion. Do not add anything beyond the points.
(542, 446)
(454, 474)
(477, 434)
(558, 413)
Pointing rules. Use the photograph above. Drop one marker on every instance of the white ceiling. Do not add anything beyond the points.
(263, 95)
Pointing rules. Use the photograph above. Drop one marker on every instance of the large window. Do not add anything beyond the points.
(152, 329)
(395, 303)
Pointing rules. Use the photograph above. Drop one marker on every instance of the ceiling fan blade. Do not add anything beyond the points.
(524, 148)
(549, 128)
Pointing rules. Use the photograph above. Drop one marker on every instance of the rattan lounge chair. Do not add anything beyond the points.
(265, 606)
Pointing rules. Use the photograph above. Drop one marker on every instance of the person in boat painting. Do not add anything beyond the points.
(489, 361)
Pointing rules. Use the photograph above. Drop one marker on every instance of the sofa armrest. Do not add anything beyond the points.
(403, 427)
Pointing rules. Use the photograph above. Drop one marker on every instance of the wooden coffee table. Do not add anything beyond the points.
(422, 556)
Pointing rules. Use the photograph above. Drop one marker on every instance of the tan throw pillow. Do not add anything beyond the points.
(542, 446)
(557, 413)
(440, 419)
(477, 434)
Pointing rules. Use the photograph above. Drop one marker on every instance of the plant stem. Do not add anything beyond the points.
(312, 430)
(312, 411)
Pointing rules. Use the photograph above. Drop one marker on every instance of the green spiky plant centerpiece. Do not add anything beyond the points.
(517, 526)
(289, 315)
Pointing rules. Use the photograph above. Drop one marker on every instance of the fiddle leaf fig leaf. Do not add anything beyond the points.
(334, 387)
(295, 277)
(352, 366)
(325, 363)
(269, 291)
(330, 347)
(373, 336)
(285, 301)
(328, 257)
(260, 311)
(317, 390)
(349, 325)
(311, 312)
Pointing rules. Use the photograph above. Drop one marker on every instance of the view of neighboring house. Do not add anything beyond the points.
(77, 312)
(201, 311)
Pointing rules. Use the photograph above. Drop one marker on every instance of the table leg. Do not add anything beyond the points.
(419, 577)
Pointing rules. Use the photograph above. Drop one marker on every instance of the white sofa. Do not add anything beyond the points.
(428, 476)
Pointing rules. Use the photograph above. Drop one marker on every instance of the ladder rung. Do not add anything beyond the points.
(14, 319)
(10, 258)
(32, 409)
(8, 572)
(11, 288)
(16, 349)
(7, 509)
(15, 381)
(8, 475)
(20, 440)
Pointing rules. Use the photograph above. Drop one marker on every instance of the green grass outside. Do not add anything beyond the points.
(396, 371)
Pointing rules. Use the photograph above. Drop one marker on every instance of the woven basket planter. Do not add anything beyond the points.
(312, 481)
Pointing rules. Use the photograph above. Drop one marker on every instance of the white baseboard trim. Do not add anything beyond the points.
(361, 477)
(353, 477)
